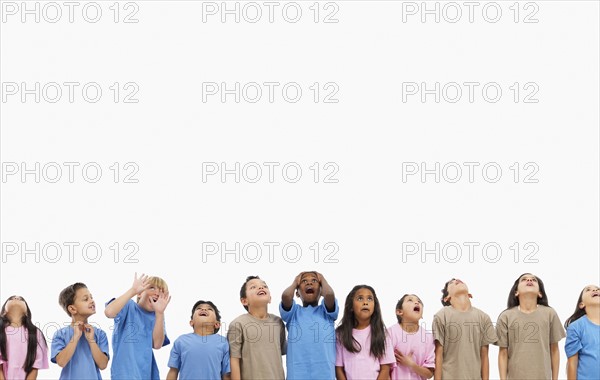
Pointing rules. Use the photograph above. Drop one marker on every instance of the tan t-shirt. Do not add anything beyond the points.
(528, 338)
(259, 343)
(462, 334)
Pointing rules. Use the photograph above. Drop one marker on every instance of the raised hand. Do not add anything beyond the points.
(161, 303)
(140, 283)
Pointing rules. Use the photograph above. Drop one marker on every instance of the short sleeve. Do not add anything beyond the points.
(166, 342)
(339, 353)
(236, 340)
(41, 355)
(438, 329)
(573, 344)
(287, 315)
(102, 341)
(488, 333)
(388, 357)
(59, 342)
(502, 330)
(429, 354)
(282, 338)
(225, 363)
(175, 356)
(557, 332)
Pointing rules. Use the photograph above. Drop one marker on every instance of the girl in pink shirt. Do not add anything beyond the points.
(363, 348)
(23, 348)
(414, 347)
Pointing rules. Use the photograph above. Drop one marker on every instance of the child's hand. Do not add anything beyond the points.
(320, 277)
(77, 331)
(140, 284)
(297, 279)
(404, 360)
(88, 330)
(161, 303)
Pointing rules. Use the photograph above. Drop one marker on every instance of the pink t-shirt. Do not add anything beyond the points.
(362, 365)
(420, 344)
(16, 350)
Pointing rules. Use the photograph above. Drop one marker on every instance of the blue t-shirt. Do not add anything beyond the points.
(311, 341)
(81, 365)
(200, 357)
(133, 358)
(583, 338)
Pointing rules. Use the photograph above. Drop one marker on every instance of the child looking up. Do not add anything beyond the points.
(311, 331)
(364, 350)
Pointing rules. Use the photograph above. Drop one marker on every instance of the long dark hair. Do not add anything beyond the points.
(378, 333)
(579, 312)
(32, 339)
(513, 300)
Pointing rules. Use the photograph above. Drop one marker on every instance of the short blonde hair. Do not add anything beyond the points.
(157, 282)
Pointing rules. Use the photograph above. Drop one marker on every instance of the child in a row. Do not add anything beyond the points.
(583, 336)
(139, 327)
(79, 358)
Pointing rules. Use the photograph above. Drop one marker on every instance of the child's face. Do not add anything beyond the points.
(456, 286)
(204, 315)
(257, 293)
(309, 289)
(590, 296)
(15, 304)
(148, 297)
(528, 284)
(83, 304)
(412, 309)
(363, 305)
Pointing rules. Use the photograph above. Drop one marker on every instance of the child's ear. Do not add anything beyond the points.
(192, 323)
(297, 293)
(447, 299)
(581, 305)
(244, 301)
(399, 312)
(470, 295)
(217, 325)
(72, 309)
(540, 295)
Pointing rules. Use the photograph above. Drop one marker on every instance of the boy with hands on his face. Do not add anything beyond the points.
(139, 328)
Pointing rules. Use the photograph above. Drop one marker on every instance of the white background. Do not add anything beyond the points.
(368, 135)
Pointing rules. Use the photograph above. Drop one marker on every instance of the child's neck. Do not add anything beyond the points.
(593, 313)
(461, 302)
(362, 324)
(15, 319)
(410, 327)
(78, 318)
(205, 330)
(528, 303)
(259, 312)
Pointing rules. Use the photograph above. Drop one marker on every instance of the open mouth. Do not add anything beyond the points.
(262, 293)
(310, 291)
(595, 295)
(417, 308)
(203, 313)
(365, 309)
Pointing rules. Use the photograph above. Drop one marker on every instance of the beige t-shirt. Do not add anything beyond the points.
(462, 334)
(528, 338)
(259, 343)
